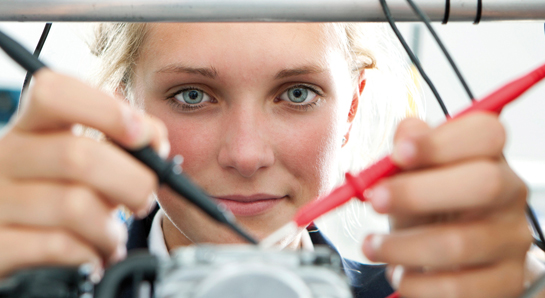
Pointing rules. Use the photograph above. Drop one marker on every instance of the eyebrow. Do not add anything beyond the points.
(311, 69)
(209, 72)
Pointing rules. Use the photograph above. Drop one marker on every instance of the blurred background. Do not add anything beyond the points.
(488, 54)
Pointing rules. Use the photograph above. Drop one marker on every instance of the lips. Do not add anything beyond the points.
(249, 205)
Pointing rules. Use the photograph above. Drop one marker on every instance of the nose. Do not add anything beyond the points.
(246, 144)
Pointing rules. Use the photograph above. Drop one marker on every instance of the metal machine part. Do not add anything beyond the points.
(263, 10)
(246, 271)
(203, 271)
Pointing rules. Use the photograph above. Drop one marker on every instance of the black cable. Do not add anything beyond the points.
(540, 283)
(424, 18)
(447, 13)
(414, 59)
(479, 12)
(529, 211)
(36, 54)
(8, 286)
(540, 242)
(135, 269)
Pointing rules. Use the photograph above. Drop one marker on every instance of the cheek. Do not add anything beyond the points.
(197, 142)
(309, 149)
(193, 138)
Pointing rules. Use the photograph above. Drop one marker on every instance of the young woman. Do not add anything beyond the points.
(261, 114)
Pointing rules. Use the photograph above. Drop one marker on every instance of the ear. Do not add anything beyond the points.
(120, 92)
(356, 97)
(354, 105)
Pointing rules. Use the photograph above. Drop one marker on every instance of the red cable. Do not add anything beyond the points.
(356, 185)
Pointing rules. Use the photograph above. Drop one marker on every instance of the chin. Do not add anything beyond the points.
(193, 226)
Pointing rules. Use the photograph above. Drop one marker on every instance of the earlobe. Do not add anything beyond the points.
(362, 80)
(362, 83)
(346, 136)
(351, 116)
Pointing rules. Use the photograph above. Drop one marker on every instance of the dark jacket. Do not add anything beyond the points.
(367, 281)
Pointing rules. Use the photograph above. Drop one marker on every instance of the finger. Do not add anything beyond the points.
(29, 247)
(467, 185)
(411, 128)
(160, 136)
(454, 244)
(73, 208)
(505, 279)
(115, 174)
(58, 102)
(471, 136)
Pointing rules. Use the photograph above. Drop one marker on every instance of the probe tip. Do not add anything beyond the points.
(242, 233)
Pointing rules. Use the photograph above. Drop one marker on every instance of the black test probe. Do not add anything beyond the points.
(168, 172)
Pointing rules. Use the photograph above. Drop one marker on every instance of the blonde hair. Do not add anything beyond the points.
(117, 45)
(389, 96)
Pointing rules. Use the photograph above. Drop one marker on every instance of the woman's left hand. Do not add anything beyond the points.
(457, 212)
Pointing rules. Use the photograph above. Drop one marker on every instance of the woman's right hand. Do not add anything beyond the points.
(59, 191)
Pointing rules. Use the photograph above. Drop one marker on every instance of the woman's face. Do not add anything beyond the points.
(258, 111)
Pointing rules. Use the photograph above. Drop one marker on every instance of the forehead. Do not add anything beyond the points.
(255, 45)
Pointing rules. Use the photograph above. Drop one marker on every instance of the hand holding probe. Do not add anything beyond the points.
(355, 186)
(168, 172)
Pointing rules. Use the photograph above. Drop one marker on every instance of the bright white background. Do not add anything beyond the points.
(488, 55)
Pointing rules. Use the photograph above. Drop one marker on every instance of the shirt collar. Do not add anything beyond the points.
(157, 245)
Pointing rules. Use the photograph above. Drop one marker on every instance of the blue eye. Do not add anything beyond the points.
(192, 96)
(298, 95)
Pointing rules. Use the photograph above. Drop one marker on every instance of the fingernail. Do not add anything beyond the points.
(395, 275)
(142, 213)
(132, 122)
(164, 149)
(120, 254)
(137, 129)
(404, 151)
(372, 245)
(379, 196)
(96, 271)
(118, 230)
(124, 235)
(150, 205)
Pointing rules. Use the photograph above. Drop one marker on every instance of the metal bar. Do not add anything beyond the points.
(259, 10)
(496, 10)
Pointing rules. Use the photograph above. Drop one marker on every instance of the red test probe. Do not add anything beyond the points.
(354, 186)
